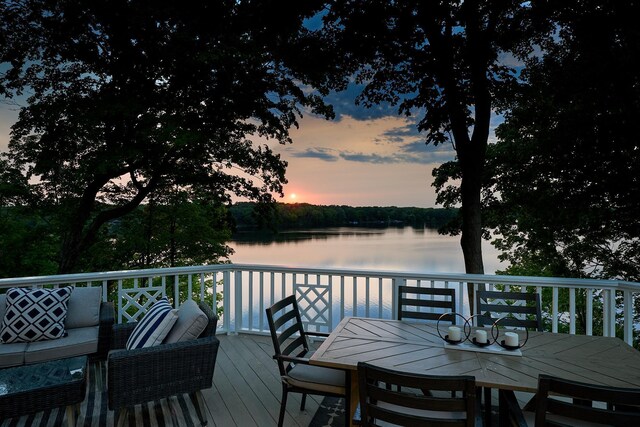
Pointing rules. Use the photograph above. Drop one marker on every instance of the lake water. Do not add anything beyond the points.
(405, 249)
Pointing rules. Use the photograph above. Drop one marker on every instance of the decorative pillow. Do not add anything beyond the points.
(191, 322)
(35, 314)
(84, 307)
(154, 326)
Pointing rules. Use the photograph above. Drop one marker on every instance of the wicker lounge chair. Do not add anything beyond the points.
(152, 373)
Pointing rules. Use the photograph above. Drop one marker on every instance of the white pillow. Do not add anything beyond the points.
(191, 322)
(154, 326)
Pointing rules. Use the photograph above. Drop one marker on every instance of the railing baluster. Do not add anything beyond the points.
(367, 298)
(628, 317)
(572, 310)
(554, 310)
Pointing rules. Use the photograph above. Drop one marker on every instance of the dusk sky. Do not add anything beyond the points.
(365, 157)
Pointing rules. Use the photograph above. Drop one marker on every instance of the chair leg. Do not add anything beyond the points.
(198, 403)
(303, 401)
(283, 405)
(487, 406)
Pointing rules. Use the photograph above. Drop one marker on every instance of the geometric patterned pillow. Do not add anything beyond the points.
(154, 326)
(35, 314)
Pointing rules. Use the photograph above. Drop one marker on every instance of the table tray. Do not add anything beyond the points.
(493, 348)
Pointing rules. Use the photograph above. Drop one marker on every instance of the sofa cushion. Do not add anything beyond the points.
(78, 342)
(190, 324)
(35, 314)
(12, 354)
(84, 307)
(154, 326)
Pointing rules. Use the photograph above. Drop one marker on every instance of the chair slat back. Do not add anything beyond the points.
(620, 406)
(396, 397)
(493, 305)
(443, 300)
(291, 341)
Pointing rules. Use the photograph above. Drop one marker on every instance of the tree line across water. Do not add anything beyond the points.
(304, 215)
(175, 231)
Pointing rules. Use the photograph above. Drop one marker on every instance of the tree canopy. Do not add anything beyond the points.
(563, 195)
(126, 99)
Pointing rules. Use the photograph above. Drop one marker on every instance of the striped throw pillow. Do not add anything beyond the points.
(154, 326)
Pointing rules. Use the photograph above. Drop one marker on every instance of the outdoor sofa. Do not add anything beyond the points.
(88, 327)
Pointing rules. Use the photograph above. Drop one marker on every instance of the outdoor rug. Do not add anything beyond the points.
(175, 411)
(330, 413)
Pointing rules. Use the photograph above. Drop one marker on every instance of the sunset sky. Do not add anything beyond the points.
(365, 157)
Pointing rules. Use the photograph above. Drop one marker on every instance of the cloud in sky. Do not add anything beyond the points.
(375, 162)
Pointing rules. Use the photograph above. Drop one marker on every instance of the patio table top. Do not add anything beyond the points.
(415, 347)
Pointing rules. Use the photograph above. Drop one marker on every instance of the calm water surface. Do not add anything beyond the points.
(397, 249)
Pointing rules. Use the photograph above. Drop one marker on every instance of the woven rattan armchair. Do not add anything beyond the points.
(152, 373)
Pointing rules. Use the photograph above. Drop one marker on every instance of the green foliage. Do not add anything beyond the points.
(565, 170)
(129, 99)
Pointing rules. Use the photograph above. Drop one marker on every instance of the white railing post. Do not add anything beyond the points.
(237, 296)
(395, 296)
(589, 314)
(554, 310)
(628, 317)
(572, 311)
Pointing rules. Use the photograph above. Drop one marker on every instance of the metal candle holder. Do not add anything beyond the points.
(467, 328)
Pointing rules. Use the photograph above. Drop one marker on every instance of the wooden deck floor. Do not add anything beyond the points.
(246, 387)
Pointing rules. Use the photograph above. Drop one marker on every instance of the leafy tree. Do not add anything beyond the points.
(565, 173)
(566, 169)
(127, 99)
(442, 61)
(169, 231)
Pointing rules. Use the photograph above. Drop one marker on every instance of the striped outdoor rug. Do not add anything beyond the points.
(175, 411)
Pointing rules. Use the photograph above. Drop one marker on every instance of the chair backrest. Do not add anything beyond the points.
(492, 305)
(622, 404)
(286, 343)
(381, 401)
(444, 300)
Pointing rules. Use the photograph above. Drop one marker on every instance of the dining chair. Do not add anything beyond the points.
(379, 402)
(292, 353)
(513, 309)
(561, 402)
(517, 309)
(411, 300)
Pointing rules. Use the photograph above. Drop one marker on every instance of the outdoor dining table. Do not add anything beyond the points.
(418, 348)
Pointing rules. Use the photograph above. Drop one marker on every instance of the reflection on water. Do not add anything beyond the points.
(394, 248)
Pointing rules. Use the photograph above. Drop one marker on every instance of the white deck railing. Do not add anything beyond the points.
(327, 295)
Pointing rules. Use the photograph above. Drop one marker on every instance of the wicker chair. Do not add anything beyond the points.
(292, 354)
(380, 403)
(561, 402)
(152, 373)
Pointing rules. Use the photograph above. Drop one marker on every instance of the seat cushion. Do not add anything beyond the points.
(317, 378)
(84, 307)
(190, 324)
(35, 314)
(154, 326)
(12, 354)
(78, 342)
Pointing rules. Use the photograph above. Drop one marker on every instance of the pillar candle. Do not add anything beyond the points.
(511, 338)
(481, 336)
(454, 333)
